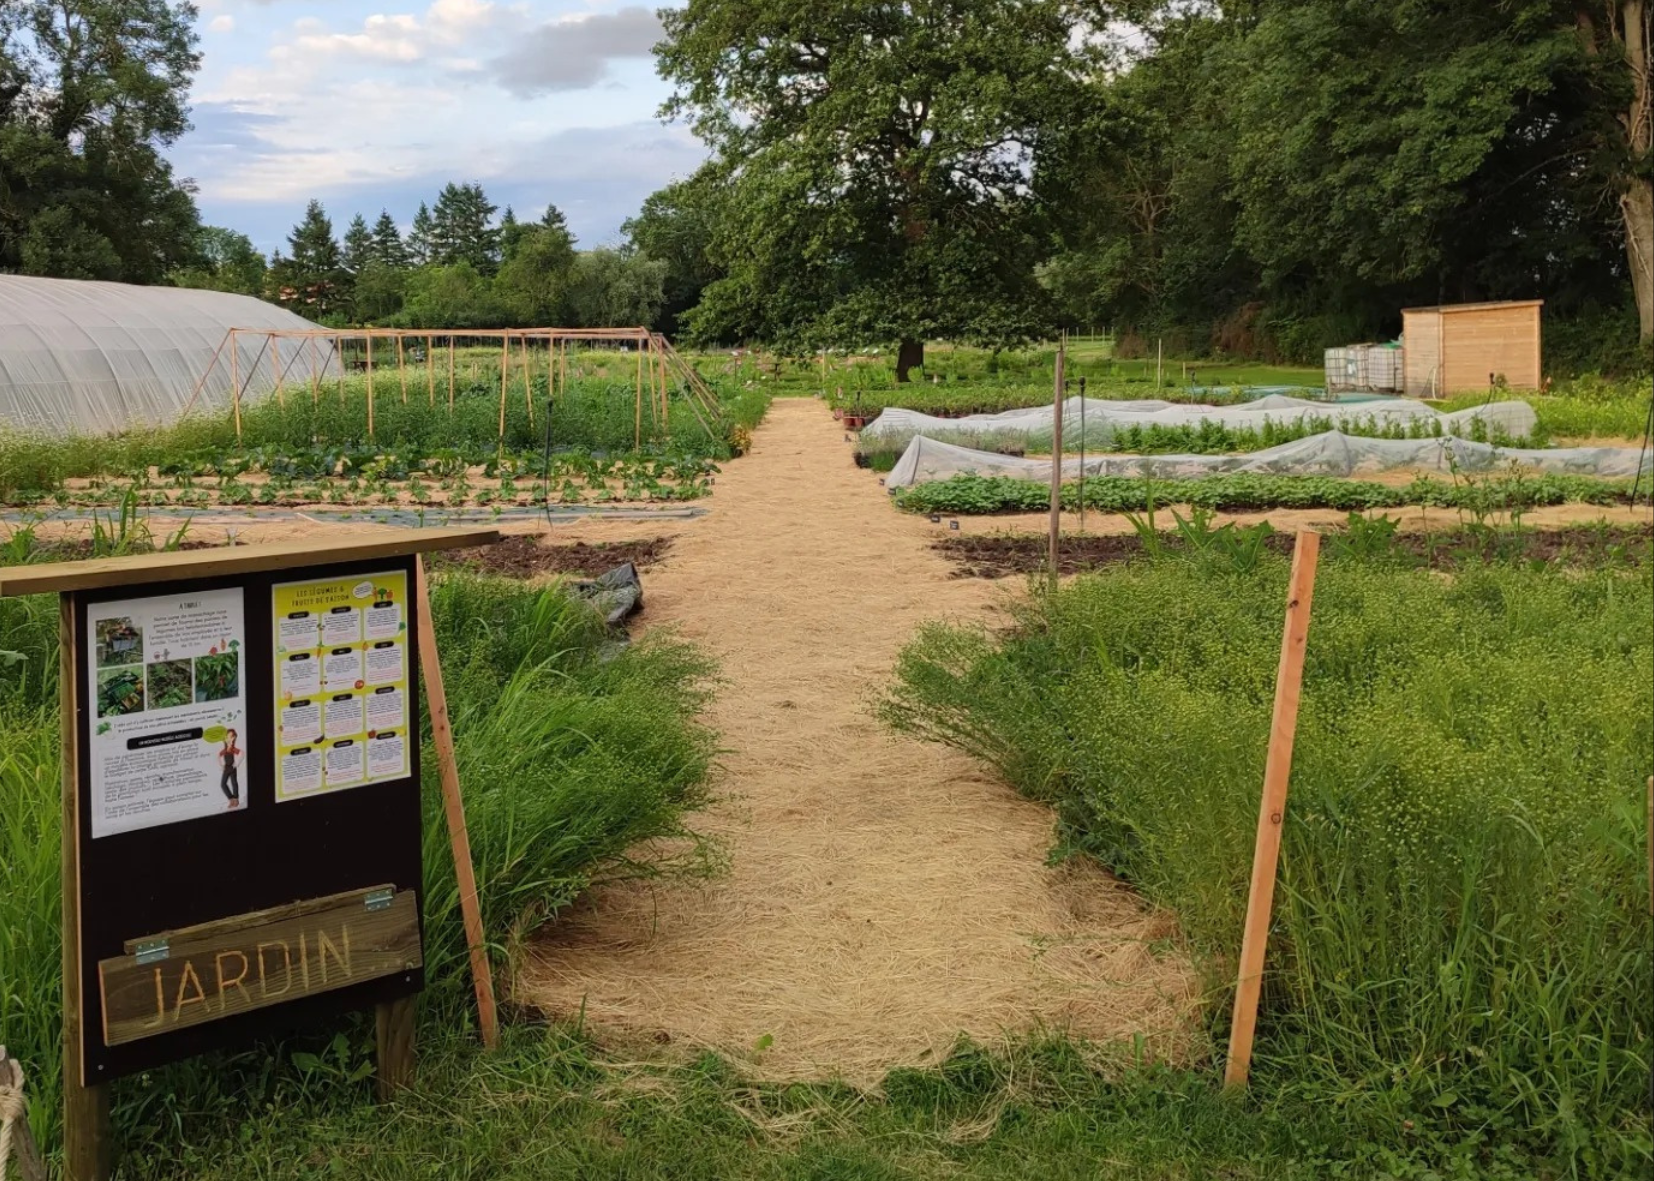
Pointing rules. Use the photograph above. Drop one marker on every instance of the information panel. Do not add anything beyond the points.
(341, 649)
(169, 728)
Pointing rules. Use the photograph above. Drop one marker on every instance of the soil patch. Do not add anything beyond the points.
(526, 556)
(1007, 555)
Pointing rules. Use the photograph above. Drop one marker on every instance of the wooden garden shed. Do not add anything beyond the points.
(1460, 348)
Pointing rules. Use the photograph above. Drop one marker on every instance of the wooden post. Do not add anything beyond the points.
(505, 375)
(401, 368)
(235, 382)
(23, 1147)
(394, 1030)
(442, 736)
(339, 351)
(430, 371)
(450, 373)
(370, 384)
(275, 362)
(315, 375)
(637, 406)
(528, 382)
(87, 1142)
(1056, 462)
(1272, 810)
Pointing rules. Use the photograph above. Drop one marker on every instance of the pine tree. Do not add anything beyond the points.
(511, 233)
(388, 248)
(313, 272)
(358, 245)
(421, 245)
(461, 229)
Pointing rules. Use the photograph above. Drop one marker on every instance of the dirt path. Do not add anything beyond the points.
(884, 895)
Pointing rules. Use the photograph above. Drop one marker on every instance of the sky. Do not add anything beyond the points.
(376, 104)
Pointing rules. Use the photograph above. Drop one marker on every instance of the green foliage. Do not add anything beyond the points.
(1462, 935)
(877, 163)
(1247, 492)
(91, 91)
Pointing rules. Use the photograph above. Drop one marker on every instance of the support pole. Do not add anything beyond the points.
(1277, 773)
(442, 736)
(1059, 379)
(430, 372)
(637, 403)
(315, 374)
(370, 384)
(528, 382)
(394, 1039)
(275, 362)
(401, 368)
(505, 376)
(1082, 456)
(235, 382)
(450, 373)
(87, 1140)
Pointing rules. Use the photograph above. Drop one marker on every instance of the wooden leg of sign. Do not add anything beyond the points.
(394, 1023)
(87, 1143)
(436, 701)
(1277, 772)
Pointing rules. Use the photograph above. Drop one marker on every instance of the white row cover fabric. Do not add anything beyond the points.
(1328, 454)
(895, 426)
(96, 358)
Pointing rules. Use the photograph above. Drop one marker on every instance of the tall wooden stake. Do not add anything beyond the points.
(528, 383)
(235, 381)
(87, 1142)
(450, 373)
(430, 371)
(1056, 460)
(442, 735)
(394, 1029)
(275, 363)
(315, 376)
(505, 375)
(1272, 811)
(370, 385)
(637, 408)
(401, 368)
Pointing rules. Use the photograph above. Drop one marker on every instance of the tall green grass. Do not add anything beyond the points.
(572, 754)
(1462, 936)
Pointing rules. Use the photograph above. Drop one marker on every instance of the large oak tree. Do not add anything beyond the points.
(878, 159)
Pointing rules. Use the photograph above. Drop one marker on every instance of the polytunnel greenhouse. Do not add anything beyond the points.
(91, 358)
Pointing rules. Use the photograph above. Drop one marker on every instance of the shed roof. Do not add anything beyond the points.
(1479, 307)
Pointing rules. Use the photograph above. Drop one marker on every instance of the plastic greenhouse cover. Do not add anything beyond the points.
(90, 358)
(1101, 418)
(1329, 454)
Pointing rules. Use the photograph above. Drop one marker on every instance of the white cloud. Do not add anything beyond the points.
(222, 24)
(575, 52)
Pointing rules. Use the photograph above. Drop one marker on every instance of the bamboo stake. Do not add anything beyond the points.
(1272, 809)
(235, 381)
(528, 383)
(442, 735)
(315, 377)
(430, 372)
(637, 407)
(450, 373)
(505, 376)
(339, 349)
(401, 369)
(275, 362)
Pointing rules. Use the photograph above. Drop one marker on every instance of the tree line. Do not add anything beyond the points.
(458, 266)
(1254, 177)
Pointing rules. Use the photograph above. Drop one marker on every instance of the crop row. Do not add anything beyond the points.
(1242, 492)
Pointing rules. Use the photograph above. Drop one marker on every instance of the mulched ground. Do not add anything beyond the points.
(1002, 556)
(523, 556)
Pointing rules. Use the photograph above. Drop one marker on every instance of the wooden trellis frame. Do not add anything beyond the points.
(657, 361)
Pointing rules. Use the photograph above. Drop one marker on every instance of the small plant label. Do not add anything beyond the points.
(166, 677)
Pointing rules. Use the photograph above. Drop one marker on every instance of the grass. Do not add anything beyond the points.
(1462, 940)
(571, 755)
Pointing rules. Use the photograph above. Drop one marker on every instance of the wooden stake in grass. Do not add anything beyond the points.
(275, 363)
(430, 372)
(505, 376)
(442, 736)
(235, 381)
(1272, 811)
(450, 373)
(401, 368)
(1056, 460)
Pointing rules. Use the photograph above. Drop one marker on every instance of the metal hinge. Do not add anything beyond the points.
(379, 899)
(152, 951)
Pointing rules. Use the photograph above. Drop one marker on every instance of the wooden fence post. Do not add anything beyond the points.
(442, 735)
(1272, 811)
(1056, 462)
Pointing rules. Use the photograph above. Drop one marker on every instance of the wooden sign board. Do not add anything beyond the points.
(218, 969)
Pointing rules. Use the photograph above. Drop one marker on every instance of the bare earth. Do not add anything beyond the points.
(884, 896)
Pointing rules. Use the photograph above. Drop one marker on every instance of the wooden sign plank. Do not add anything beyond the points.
(239, 559)
(228, 967)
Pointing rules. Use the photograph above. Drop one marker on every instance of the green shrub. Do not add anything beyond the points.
(1462, 922)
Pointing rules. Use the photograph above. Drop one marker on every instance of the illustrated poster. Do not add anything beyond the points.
(341, 673)
(168, 713)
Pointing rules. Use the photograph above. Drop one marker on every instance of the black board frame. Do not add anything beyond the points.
(136, 884)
